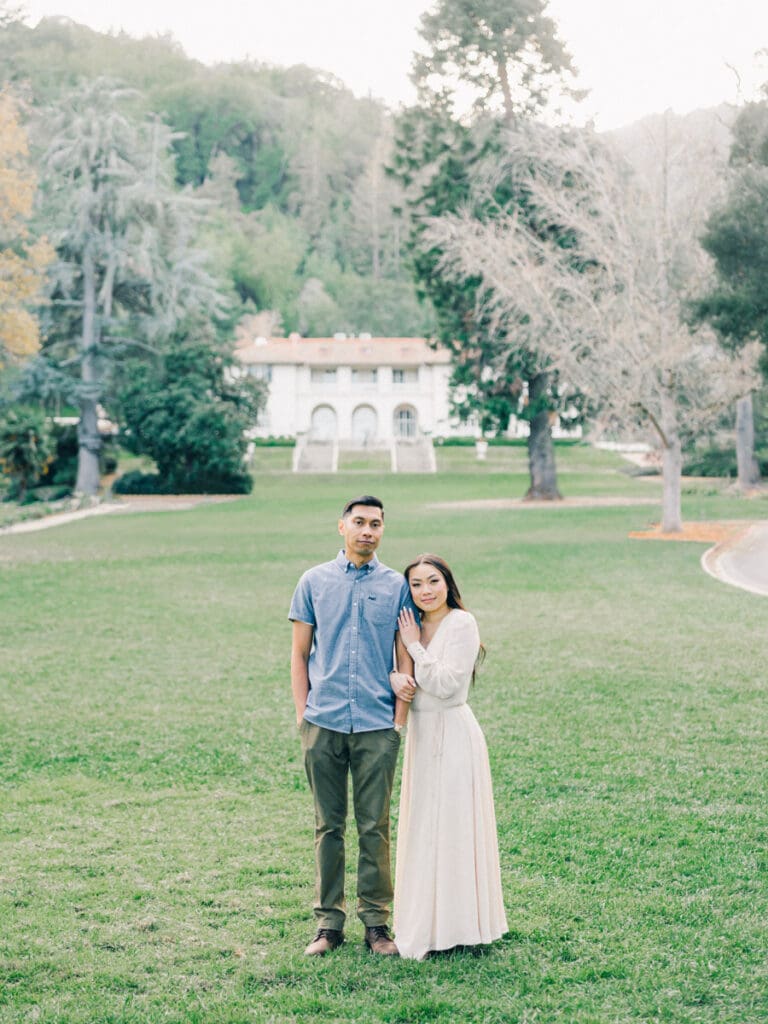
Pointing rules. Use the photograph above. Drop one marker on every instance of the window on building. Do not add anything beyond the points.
(364, 377)
(405, 377)
(324, 375)
(261, 372)
(405, 421)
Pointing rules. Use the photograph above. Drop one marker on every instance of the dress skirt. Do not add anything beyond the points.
(447, 880)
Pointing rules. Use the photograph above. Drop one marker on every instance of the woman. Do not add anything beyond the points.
(447, 880)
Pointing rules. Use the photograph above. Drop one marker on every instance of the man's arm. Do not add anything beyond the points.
(402, 682)
(301, 645)
(401, 678)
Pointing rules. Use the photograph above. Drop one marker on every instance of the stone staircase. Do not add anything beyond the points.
(414, 455)
(315, 457)
(411, 455)
(370, 458)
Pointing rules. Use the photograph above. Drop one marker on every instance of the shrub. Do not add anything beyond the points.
(190, 416)
(63, 469)
(716, 461)
(26, 449)
(273, 442)
(710, 462)
(64, 465)
(137, 482)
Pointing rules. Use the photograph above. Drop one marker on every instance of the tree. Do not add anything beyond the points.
(189, 411)
(232, 112)
(22, 261)
(318, 313)
(305, 153)
(503, 51)
(508, 55)
(606, 295)
(58, 53)
(127, 270)
(736, 236)
(373, 227)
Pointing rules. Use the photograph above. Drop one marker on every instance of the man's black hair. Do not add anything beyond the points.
(364, 499)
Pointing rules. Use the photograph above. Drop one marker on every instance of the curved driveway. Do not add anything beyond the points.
(743, 562)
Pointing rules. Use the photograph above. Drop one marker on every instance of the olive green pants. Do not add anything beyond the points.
(329, 759)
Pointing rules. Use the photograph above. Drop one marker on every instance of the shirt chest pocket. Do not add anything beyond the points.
(380, 611)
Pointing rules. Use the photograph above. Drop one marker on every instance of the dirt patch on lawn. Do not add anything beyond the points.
(715, 532)
(492, 504)
(170, 502)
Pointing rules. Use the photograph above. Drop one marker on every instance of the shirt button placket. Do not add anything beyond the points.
(353, 651)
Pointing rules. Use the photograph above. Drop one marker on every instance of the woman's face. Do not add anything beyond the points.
(428, 587)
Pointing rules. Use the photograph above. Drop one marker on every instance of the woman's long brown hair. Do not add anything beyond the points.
(454, 597)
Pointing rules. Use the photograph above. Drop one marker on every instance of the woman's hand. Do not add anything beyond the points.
(403, 685)
(410, 631)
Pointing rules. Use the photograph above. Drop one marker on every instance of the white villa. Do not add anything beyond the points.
(340, 393)
(354, 391)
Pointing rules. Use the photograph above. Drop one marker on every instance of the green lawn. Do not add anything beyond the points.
(155, 853)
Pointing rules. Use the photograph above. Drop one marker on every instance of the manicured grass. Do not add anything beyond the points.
(155, 853)
(271, 460)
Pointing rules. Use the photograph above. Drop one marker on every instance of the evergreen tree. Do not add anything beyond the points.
(306, 154)
(736, 236)
(509, 56)
(127, 271)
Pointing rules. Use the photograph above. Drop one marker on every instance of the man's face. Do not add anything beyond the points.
(361, 529)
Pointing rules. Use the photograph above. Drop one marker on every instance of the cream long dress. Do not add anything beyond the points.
(447, 879)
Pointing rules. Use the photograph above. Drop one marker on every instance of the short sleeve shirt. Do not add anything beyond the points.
(354, 614)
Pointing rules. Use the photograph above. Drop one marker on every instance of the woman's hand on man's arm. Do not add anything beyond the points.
(403, 685)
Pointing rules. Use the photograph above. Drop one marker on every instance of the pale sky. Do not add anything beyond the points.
(637, 56)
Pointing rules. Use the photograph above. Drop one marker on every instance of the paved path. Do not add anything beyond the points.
(742, 562)
(128, 503)
(58, 519)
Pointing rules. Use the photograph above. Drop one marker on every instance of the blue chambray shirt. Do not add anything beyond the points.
(354, 612)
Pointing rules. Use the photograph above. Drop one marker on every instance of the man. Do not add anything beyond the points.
(344, 616)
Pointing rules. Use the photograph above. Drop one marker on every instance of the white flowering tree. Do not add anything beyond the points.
(604, 297)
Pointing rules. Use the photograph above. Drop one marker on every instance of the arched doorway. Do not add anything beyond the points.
(365, 425)
(323, 425)
(406, 421)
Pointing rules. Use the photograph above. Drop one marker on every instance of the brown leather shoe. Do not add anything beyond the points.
(325, 940)
(378, 940)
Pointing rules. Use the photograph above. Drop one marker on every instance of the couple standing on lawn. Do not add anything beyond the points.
(351, 618)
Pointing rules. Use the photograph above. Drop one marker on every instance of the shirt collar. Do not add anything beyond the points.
(345, 565)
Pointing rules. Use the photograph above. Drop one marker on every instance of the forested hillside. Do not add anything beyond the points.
(301, 224)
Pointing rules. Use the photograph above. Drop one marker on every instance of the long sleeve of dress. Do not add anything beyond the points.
(445, 674)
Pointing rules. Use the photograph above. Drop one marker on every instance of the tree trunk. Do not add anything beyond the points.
(541, 450)
(749, 472)
(89, 441)
(671, 468)
(89, 446)
(509, 110)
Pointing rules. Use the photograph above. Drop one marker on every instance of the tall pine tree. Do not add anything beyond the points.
(127, 272)
(503, 60)
(736, 237)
